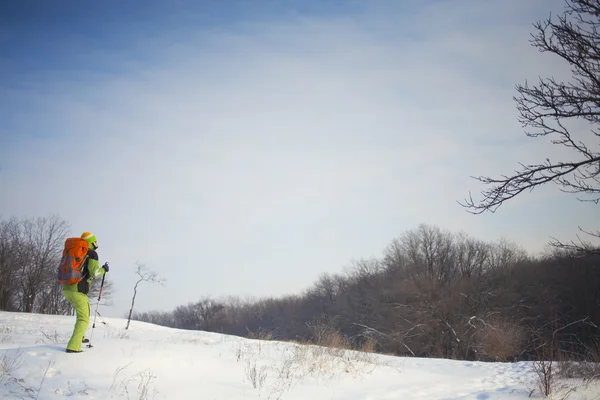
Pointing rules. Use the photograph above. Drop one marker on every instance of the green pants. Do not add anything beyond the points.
(81, 303)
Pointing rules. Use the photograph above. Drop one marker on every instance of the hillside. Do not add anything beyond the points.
(153, 362)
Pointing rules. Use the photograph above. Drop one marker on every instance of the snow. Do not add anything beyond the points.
(153, 362)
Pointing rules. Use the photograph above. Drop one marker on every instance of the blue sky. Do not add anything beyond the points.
(244, 148)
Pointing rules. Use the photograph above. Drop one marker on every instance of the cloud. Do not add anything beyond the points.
(249, 159)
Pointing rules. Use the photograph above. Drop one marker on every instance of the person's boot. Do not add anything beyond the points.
(74, 351)
(84, 340)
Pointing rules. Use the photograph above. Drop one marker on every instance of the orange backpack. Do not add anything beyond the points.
(70, 269)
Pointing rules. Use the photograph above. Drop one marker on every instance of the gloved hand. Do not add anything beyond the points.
(105, 266)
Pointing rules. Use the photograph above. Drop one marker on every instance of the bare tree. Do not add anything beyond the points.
(504, 255)
(144, 275)
(187, 317)
(327, 287)
(9, 238)
(42, 240)
(430, 251)
(470, 255)
(209, 311)
(552, 109)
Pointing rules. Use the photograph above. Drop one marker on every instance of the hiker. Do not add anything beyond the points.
(77, 293)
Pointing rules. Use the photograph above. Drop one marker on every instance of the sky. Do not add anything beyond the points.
(245, 148)
(153, 362)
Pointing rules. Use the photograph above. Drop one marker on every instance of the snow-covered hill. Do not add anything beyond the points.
(153, 362)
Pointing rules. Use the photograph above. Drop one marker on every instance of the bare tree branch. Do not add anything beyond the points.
(550, 108)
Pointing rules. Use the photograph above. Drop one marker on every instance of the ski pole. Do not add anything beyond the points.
(96, 312)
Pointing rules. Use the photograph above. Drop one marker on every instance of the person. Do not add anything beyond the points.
(77, 294)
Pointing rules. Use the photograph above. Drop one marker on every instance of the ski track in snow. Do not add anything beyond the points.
(178, 364)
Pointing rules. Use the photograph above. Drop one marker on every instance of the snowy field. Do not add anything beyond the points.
(152, 362)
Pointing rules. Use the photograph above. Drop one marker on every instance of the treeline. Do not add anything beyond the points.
(30, 250)
(433, 293)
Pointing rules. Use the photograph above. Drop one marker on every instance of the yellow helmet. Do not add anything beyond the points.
(90, 238)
